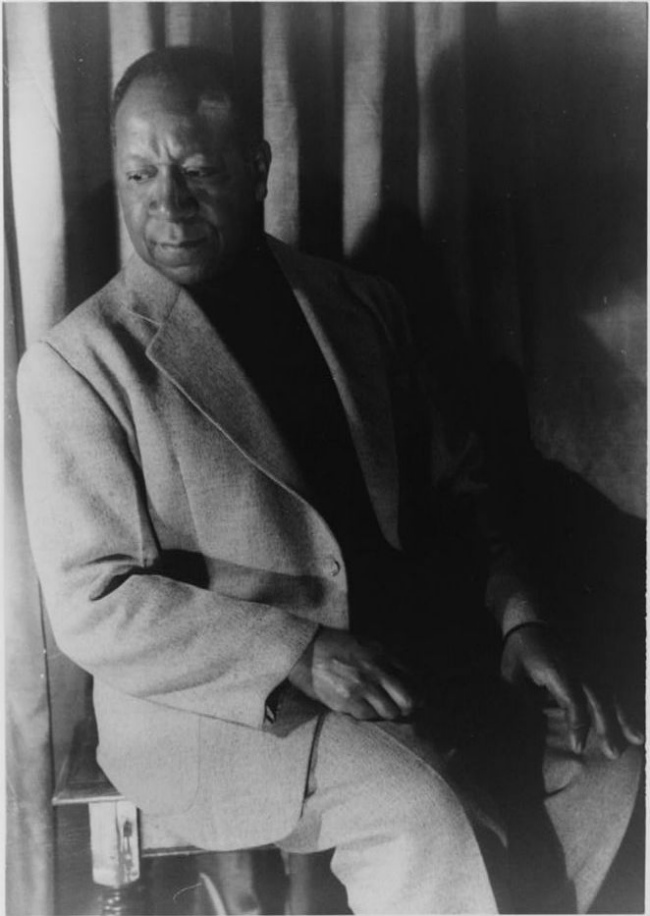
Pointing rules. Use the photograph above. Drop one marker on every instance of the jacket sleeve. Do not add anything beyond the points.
(458, 491)
(96, 553)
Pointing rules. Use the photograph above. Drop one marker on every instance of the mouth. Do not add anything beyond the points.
(182, 245)
(179, 252)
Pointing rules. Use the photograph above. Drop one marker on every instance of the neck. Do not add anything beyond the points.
(238, 271)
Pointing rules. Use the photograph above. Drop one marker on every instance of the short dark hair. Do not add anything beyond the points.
(199, 71)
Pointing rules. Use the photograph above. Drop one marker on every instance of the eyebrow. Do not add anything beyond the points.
(206, 104)
(134, 159)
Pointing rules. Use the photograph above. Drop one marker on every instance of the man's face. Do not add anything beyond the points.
(188, 192)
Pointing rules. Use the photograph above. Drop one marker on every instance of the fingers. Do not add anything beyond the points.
(398, 693)
(364, 690)
(612, 726)
(569, 696)
(606, 725)
(583, 708)
(578, 722)
(385, 693)
(381, 684)
(373, 703)
(631, 733)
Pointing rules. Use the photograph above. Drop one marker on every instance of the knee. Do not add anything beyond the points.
(619, 779)
(424, 805)
(410, 792)
(422, 855)
(595, 773)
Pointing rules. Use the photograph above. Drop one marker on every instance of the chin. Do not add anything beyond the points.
(184, 268)
(188, 275)
(186, 272)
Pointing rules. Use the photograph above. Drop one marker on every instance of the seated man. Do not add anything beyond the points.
(253, 531)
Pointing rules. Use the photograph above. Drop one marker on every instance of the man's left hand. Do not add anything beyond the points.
(534, 654)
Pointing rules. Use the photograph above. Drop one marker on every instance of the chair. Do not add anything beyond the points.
(121, 836)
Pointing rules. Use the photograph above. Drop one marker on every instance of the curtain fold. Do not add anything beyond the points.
(488, 159)
(578, 147)
(29, 837)
(280, 125)
(365, 47)
(35, 174)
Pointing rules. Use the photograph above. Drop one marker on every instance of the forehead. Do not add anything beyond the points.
(155, 104)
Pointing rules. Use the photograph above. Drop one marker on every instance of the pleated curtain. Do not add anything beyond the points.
(488, 158)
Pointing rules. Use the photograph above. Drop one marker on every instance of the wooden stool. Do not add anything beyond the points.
(120, 835)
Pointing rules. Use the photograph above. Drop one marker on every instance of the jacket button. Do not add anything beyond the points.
(334, 567)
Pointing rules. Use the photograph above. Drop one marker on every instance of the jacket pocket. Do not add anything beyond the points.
(150, 752)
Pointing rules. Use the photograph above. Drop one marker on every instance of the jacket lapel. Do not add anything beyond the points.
(187, 349)
(352, 351)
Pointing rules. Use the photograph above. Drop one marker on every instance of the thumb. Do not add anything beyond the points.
(571, 699)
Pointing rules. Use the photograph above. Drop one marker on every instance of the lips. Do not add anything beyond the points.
(178, 252)
(183, 244)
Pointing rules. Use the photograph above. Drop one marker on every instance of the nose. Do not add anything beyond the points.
(170, 197)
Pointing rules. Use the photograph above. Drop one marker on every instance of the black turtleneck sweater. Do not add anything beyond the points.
(258, 317)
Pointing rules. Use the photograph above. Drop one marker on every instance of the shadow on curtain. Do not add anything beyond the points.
(488, 159)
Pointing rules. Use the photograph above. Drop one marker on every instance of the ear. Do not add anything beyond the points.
(260, 163)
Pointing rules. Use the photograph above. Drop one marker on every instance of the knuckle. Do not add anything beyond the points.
(345, 694)
(361, 711)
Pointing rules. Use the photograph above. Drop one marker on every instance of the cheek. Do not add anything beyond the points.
(232, 213)
(133, 210)
(222, 213)
(137, 225)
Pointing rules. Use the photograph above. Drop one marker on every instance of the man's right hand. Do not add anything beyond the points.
(350, 677)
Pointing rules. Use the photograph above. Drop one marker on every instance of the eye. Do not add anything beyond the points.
(203, 172)
(139, 176)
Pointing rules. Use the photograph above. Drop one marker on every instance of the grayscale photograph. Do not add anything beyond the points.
(325, 457)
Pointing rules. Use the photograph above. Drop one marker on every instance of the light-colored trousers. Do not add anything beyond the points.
(410, 837)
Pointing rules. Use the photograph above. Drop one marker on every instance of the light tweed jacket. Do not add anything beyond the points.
(181, 561)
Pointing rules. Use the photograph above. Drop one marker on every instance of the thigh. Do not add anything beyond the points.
(565, 813)
(589, 800)
(380, 771)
